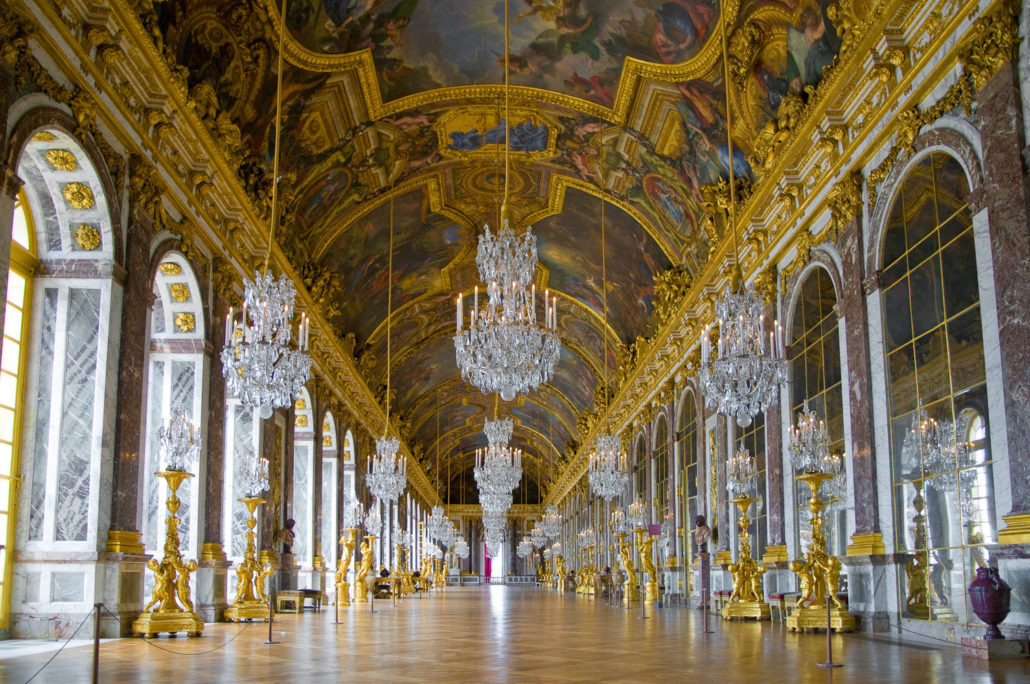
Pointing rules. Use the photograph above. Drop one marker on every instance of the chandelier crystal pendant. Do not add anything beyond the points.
(505, 349)
(525, 548)
(809, 442)
(461, 549)
(262, 367)
(741, 475)
(537, 536)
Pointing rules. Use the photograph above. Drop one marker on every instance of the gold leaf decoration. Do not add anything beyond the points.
(87, 237)
(180, 292)
(44, 136)
(185, 322)
(78, 195)
(170, 268)
(62, 160)
(301, 421)
(327, 441)
(325, 426)
(300, 405)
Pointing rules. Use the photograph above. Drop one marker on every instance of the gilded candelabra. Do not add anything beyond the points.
(563, 581)
(922, 600)
(342, 586)
(818, 574)
(626, 555)
(645, 547)
(251, 602)
(407, 583)
(171, 577)
(439, 577)
(747, 599)
(360, 587)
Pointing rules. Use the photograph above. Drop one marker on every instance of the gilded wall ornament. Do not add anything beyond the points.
(62, 160)
(44, 136)
(300, 404)
(78, 196)
(180, 292)
(327, 441)
(87, 237)
(301, 421)
(170, 268)
(185, 321)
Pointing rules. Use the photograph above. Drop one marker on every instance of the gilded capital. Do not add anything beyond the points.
(991, 42)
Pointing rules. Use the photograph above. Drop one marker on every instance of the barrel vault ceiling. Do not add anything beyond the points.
(395, 105)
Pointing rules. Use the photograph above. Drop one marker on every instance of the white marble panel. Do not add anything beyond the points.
(881, 426)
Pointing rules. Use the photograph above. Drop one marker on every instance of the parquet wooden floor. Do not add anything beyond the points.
(488, 634)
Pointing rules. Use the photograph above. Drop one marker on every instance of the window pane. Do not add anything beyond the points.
(10, 355)
(6, 424)
(5, 495)
(12, 322)
(20, 226)
(15, 289)
(5, 459)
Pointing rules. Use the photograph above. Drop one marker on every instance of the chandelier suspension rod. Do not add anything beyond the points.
(389, 307)
(604, 291)
(278, 117)
(507, 119)
(737, 275)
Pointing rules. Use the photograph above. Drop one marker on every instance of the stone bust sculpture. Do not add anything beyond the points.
(702, 533)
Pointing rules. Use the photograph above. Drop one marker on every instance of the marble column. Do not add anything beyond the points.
(318, 559)
(855, 287)
(725, 521)
(211, 575)
(1006, 198)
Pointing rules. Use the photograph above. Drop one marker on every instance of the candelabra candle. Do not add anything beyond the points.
(637, 514)
(617, 522)
(741, 474)
(252, 474)
(809, 442)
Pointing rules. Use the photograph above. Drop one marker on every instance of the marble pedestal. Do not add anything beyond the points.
(871, 580)
(211, 580)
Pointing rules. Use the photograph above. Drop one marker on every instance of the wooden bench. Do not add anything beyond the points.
(293, 600)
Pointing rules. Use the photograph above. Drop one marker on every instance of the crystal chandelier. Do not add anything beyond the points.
(505, 349)
(636, 516)
(461, 549)
(180, 442)
(935, 445)
(551, 524)
(353, 516)
(493, 545)
(261, 367)
(437, 523)
(373, 523)
(525, 548)
(587, 538)
(401, 538)
(498, 467)
(618, 523)
(809, 443)
(741, 474)
(388, 469)
(252, 475)
(537, 536)
(608, 470)
(749, 367)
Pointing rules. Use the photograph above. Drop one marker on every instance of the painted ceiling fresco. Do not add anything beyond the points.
(398, 101)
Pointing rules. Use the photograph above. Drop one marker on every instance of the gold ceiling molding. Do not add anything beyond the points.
(634, 72)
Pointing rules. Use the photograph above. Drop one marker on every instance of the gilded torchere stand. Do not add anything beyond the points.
(406, 585)
(645, 548)
(563, 578)
(342, 586)
(439, 577)
(818, 574)
(747, 599)
(360, 586)
(629, 587)
(251, 603)
(171, 578)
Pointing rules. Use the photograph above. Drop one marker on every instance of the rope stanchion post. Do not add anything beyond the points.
(829, 645)
(97, 607)
(271, 614)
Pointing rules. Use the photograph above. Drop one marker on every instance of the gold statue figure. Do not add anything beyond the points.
(250, 602)
(644, 548)
(360, 587)
(747, 599)
(342, 586)
(563, 578)
(626, 555)
(182, 583)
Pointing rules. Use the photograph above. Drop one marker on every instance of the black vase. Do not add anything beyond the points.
(990, 596)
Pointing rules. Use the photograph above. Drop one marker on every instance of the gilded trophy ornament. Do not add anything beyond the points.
(174, 611)
(250, 603)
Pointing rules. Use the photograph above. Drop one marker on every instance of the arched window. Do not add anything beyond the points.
(13, 358)
(814, 355)
(752, 438)
(330, 473)
(303, 485)
(640, 472)
(242, 441)
(176, 368)
(63, 454)
(687, 436)
(661, 469)
(936, 389)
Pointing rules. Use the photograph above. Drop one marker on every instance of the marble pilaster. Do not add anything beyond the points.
(774, 487)
(132, 378)
(1007, 199)
(859, 384)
